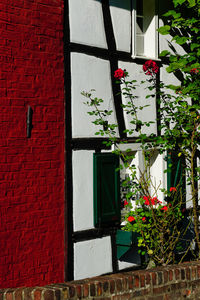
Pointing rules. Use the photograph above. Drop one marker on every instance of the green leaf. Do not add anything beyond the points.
(164, 30)
(194, 45)
(164, 53)
(172, 13)
(180, 39)
(178, 2)
(191, 3)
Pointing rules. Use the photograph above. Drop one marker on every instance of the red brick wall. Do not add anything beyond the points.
(176, 282)
(31, 170)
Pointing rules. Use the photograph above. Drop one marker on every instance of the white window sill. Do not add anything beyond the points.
(145, 58)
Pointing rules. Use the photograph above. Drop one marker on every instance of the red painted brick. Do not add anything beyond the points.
(31, 73)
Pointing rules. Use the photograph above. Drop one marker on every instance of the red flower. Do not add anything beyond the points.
(147, 202)
(125, 202)
(170, 205)
(144, 219)
(172, 189)
(154, 201)
(150, 67)
(119, 73)
(165, 208)
(131, 219)
(194, 71)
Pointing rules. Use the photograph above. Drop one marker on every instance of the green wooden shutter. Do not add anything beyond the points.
(106, 190)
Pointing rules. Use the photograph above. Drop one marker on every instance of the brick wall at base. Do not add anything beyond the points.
(163, 283)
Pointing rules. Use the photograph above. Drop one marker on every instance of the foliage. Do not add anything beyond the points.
(158, 226)
(183, 24)
(179, 125)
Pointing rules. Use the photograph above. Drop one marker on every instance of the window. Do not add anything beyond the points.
(144, 28)
(106, 190)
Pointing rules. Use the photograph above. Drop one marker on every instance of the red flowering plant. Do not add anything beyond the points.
(151, 68)
(179, 132)
(157, 224)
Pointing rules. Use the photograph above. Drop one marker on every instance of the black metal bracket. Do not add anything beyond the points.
(29, 122)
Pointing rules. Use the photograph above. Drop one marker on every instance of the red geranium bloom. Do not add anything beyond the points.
(194, 71)
(172, 189)
(119, 73)
(150, 67)
(149, 200)
(165, 208)
(131, 219)
(144, 219)
(125, 202)
(154, 201)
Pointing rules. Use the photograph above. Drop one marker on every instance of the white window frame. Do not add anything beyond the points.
(150, 35)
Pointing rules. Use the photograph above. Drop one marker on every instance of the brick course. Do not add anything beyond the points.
(120, 286)
(31, 170)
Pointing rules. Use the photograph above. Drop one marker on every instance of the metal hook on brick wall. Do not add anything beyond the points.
(29, 122)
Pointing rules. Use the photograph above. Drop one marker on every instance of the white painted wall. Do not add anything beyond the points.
(121, 19)
(166, 42)
(82, 162)
(89, 72)
(86, 23)
(158, 177)
(92, 258)
(147, 114)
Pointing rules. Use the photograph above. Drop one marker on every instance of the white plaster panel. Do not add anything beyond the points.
(166, 43)
(92, 258)
(82, 190)
(150, 25)
(158, 177)
(125, 265)
(88, 73)
(86, 23)
(147, 114)
(121, 20)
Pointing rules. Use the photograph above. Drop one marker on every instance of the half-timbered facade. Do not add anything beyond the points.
(100, 37)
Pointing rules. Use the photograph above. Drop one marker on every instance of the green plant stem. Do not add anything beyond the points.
(194, 191)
